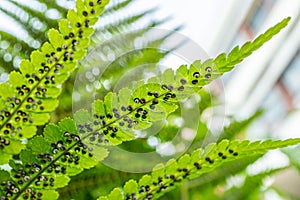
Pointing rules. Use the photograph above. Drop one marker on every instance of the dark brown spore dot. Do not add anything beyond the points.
(156, 94)
(85, 13)
(196, 74)
(30, 81)
(21, 93)
(7, 114)
(115, 129)
(208, 69)
(152, 106)
(235, 154)
(171, 87)
(129, 108)
(123, 108)
(230, 151)
(164, 87)
(197, 165)
(207, 75)
(182, 81)
(194, 82)
(181, 88)
(155, 101)
(143, 100)
(29, 100)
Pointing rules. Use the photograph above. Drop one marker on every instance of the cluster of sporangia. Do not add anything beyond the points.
(13, 121)
(39, 173)
(162, 183)
(129, 115)
(123, 117)
(3, 142)
(32, 95)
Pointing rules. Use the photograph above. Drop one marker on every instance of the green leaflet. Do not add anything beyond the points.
(200, 162)
(226, 63)
(30, 95)
(48, 161)
(57, 154)
(114, 119)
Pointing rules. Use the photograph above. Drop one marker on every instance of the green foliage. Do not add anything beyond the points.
(225, 63)
(202, 161)
(43, 164)
(49, 160)
(31, 94)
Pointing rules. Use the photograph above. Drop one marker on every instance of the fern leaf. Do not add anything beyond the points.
(200, 162)
(48, 162)
(30, 95)
(144, 103)
(221, 173)
(226, 62)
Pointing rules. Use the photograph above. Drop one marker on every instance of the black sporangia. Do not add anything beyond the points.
(36, 84)
(38, 174)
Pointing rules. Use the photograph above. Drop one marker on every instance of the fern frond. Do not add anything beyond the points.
(221, 173)
(48, 162)
(145, 103)
(164, 178)
(226, 62)
(29, 97)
